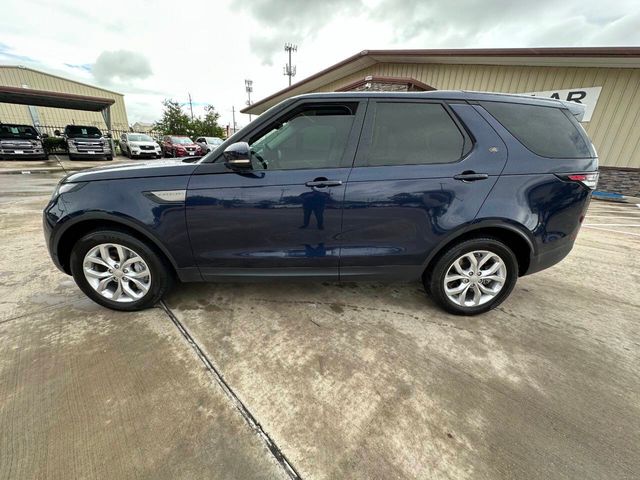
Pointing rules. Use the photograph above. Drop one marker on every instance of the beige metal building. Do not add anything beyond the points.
(606, 79)
(23, 77)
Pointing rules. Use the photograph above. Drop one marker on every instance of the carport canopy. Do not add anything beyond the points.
(43, 98)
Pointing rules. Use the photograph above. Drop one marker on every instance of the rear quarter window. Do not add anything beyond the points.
(546, 131)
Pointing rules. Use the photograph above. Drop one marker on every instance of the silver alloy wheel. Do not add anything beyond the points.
(475, 278)
(116, 272)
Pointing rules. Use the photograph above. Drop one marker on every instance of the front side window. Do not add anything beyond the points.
(414, 134)
(309, 137)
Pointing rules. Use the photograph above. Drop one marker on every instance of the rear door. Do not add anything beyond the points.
(422, 171)
(283, 217)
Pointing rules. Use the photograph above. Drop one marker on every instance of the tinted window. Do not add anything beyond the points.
(310, 137)
(76, 131)
(546, 131)
(17, 131)
(414, 133)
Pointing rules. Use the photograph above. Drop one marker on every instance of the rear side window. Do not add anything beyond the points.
(414, 134)
(546, 131)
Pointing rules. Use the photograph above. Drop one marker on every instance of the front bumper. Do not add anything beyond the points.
(50, 217)
(146, 154)
(86, 155)
(30, 155)
(189, 154)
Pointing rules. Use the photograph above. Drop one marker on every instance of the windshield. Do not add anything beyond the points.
(17, 131)
(76, 131)
(139, 137)
(181, 140)
(213, 140)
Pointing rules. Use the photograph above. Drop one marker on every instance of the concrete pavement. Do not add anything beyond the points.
(337, 380)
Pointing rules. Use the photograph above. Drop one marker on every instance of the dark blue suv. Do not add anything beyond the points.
(465, 191)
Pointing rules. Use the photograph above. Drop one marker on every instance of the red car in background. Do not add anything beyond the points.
(180, 146)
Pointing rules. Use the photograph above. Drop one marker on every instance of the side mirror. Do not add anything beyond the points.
(238, 155)
(108, 135)
(56, 133)
(44, 135)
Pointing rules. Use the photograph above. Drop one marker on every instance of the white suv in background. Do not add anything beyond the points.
(139, 145)
(209, 143)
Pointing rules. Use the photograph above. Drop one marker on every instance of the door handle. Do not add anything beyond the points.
(471, 176)
(324, 183)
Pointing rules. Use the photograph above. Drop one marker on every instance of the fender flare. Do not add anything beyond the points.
(476, 225)
(123, 220)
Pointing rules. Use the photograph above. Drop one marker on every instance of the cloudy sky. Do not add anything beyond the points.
(151, 50)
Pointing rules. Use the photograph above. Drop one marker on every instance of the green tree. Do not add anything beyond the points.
(174, 121)
(208, 126)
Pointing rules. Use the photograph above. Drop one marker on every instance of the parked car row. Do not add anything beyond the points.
(88, 142)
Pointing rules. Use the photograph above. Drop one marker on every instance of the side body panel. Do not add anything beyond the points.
(254, 223)
(395, 216)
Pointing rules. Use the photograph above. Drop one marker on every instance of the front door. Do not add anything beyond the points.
(422, 171)
(284, 216)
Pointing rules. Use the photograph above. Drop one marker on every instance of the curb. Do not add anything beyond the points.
(615, 197)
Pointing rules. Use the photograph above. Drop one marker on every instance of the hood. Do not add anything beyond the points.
(156, 168)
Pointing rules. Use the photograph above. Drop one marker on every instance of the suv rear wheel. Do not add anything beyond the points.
(118, 271)
(473, 276)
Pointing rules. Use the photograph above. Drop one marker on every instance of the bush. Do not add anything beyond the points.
(52, 144)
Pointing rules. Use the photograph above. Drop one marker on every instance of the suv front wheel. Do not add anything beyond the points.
(473, 276)
(118, 271)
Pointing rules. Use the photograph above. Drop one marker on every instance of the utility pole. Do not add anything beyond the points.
(191, 107)
(248, 86)
(290, 70)
(233, 109)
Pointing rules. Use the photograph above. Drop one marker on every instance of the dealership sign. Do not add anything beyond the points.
(587, 96)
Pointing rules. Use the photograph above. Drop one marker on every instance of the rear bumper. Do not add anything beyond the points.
(549, 258)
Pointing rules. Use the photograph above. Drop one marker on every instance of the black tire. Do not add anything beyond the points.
(161, 272)
(71, 157)
(434, 278)
(125, 152)
(109, 157)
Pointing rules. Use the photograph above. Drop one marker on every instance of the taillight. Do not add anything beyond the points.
(589, 180)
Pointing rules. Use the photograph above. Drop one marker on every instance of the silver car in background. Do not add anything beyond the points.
(209, 143)
(139, 145)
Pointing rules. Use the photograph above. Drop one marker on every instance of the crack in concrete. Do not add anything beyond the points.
(244, 411)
